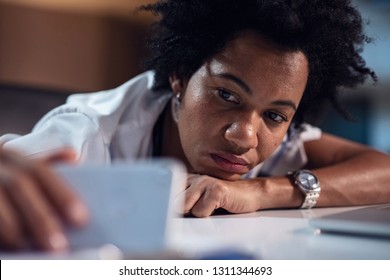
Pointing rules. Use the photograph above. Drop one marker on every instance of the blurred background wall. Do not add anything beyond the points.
(370, 104)
(75, 45)
(50, 48)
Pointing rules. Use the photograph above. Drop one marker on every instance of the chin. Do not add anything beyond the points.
(229, 177)
(221, 175)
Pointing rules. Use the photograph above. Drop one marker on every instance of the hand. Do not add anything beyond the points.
(205, 194)
(34, 203)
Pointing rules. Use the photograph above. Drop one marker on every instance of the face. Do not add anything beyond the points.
(236, 109)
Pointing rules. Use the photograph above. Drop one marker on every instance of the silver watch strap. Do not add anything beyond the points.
(310, 200)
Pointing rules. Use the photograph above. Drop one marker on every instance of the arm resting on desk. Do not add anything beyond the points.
(349, 173)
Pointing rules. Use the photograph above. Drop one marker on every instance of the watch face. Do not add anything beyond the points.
(307, 180)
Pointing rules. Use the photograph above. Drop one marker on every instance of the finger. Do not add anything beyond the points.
(66, 155)
(40, 219)
(191, 178)
(65, 201)
(209, 201)
(11, 231)
(190, 196)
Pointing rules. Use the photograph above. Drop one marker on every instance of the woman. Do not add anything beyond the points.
(231, 87)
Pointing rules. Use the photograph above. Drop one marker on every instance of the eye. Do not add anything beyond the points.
(227, 96)
(276, 117)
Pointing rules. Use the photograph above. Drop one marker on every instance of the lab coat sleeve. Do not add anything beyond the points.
(64, 127)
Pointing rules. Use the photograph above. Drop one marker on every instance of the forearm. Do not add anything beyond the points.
(359, 180)
(277, 192)
(354, 180)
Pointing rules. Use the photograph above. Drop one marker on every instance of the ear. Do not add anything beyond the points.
(176, 84)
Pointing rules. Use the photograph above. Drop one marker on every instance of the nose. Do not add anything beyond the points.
(243, 132)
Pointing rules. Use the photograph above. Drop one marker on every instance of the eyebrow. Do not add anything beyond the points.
(286, 103)
(235, 79)
(245, 87)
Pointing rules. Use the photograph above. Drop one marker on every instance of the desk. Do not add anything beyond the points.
(271, 235)
(276, 234)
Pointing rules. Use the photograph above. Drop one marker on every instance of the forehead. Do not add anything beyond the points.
(252, 57)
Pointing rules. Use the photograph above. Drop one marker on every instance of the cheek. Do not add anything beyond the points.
(194, 126)
(269, 143)
(195, 113)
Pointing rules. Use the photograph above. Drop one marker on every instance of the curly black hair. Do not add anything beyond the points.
(330, 33)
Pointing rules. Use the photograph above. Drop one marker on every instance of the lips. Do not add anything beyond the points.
(231, 163)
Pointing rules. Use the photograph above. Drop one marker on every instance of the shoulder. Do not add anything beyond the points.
(108, 107)
(87, 122)
(109, 101)
(303, 132)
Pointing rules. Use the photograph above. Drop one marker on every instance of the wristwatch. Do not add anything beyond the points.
(308, 183)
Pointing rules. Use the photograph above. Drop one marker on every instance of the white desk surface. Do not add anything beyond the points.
(276, 234)
(271, 235)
